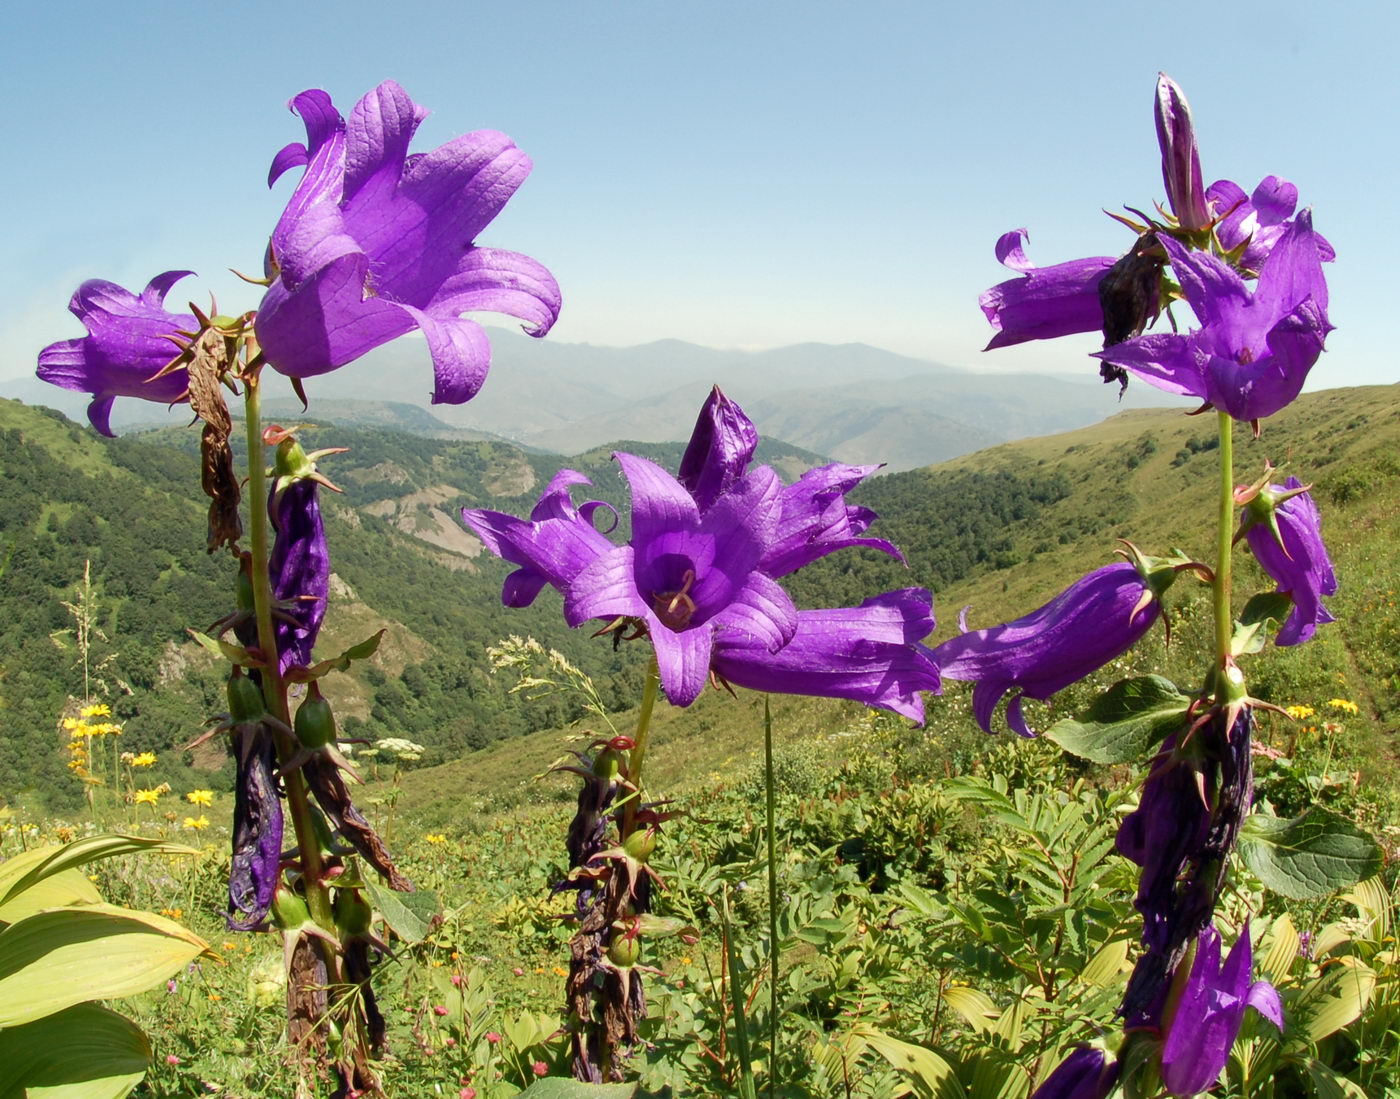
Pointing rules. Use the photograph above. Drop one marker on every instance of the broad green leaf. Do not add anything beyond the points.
(1374, 903)
(974, 1006)
(1125, 723)
(82, 1052)
(1107, 965)
(1261, 615)
(22, 871)
(1281, 946)
(410, 915)
(64, 888)
(931, 1074)
(1333, 1001)
(65, 956)
(1329, 1085)
(1312, 855)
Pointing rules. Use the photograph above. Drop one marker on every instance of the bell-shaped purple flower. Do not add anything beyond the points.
(300, 568)
(869, 654)
(129, 340)
(1209, 1011)
(257, 827)
(1045, 302)
(1096, 619)
(816, 520)
(376, 242)
(1285, 535)
(720, 450)
(1255, 223)
(1181, 162)
(1254, 349)
(1086, 1073)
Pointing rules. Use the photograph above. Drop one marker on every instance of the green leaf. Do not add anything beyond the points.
(1310, 856)
(26, 869)
(559, 1088)
(974, 1006)
(82, 1052)
(1333, 1001)
(65, 956)
(1329, 1085)
(1260, 617)
(931, 1074)
(1125, 723)
(410, 915)
(56, 891)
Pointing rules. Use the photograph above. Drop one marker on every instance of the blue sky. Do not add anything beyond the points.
(733, 174)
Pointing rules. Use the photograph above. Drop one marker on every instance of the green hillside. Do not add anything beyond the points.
(1001, 530)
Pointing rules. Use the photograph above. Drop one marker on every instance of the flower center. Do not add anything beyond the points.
(675, 608)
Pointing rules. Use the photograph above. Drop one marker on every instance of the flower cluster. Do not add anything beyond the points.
(1253, 348)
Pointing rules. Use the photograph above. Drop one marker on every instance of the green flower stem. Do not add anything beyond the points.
(274, 689)
(769, 797)
(1224, 621)
(639, 746)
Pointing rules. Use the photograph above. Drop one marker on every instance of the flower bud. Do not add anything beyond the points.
(289, 910)
(245, 698)
(640, 844)
(352, 913)
(625, 951)
(315, 724)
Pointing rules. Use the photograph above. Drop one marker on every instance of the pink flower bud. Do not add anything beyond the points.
(539, 1068)
(439, 1010)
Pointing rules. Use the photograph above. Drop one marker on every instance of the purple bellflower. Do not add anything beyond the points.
(1255, 348)
(300, 568)
(1208, 1014)
(1096, 619)
(257, 827)
(376, 241)
(1086, 1073)
(1255, 223)
(1046, 302)
(1283, 527)
(129, 340)
(699, 575)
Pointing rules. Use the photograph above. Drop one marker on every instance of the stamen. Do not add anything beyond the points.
(675, 609)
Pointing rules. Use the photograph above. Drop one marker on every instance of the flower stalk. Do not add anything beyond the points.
(1220, 588)
(639, 747)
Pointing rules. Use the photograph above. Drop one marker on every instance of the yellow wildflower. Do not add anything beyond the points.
(200, 797)
(560, 971)
(101, 709)
(436, 837)
(230, 946)
(147, 797)
(73, 725)
(197, 823)
(1297, 713)
(145, 759)
(1344, 704)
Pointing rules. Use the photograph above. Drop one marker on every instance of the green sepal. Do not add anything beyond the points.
(1309, 856)
(1262, 615)
(1125, 723)
(245, 698)
(234, 654)
(314, 723)
(363, 651)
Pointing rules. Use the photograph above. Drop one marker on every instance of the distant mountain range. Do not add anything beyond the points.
(850, 402)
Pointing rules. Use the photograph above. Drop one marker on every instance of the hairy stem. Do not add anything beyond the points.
(1220, 590)
(639, 749)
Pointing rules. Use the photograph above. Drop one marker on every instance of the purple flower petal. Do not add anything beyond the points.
(1299, 563)
(1181, 163)
(816, 520)
(869, 654)
(1085, 1074)
(300, 568)
(257, 828)
(721, 447)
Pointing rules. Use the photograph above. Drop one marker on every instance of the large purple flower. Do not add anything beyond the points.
(376, 242)
(687, 575)
(699, 574)
(1181, 162)
(1254, 349)
(1285, 536)
(1255, 223)
(128, 341)
(1046, 302)
(1097, 618)
(300, 568)
(869, 654)
(1209, 1013)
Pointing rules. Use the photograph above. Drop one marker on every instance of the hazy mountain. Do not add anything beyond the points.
(852, 402)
